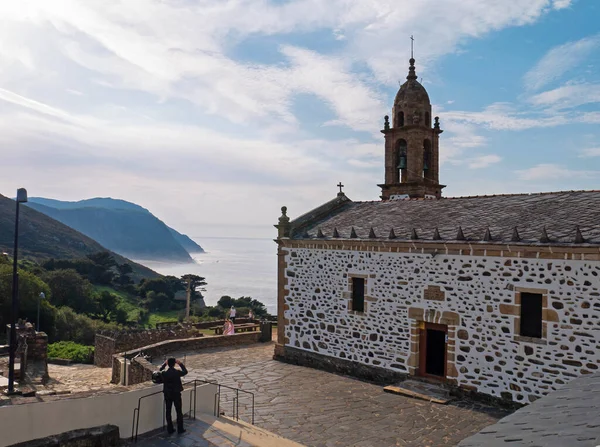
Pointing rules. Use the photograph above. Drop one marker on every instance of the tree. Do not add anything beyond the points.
(196, 282)
(102, 268)
(30, 287)
(225, 302)
(68, 288)
(216, 312)
(106, 304)
(123, 278)
(158, 301)
(120, 315)
(164, 285)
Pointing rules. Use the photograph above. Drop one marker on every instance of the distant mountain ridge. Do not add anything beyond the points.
(42, 237)
(123, 227)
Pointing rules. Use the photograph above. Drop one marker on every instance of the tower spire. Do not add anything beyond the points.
(412, 75)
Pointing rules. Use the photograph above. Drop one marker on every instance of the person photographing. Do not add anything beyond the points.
(172, 388)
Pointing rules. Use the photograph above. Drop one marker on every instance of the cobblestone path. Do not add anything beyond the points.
(78, 378)
(320, 409)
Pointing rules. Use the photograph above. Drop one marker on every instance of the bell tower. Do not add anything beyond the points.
(411, 144)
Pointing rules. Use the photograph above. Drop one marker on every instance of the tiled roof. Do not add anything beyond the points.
(560, 213)
(569, 417)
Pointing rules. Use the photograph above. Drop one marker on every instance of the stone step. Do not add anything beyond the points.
(249, 433)
(420, 390)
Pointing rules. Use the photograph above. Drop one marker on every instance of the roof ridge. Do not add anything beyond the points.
(416, 199)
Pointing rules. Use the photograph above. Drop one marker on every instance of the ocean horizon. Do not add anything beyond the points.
(233, 266)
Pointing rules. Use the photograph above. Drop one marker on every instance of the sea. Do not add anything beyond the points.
(232, 266)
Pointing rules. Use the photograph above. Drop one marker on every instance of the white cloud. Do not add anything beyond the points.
(561, 4)
(559, 60)
(568, 96)
(547, 171)
(483, 161)
(151, 100)
(503, 116)
(590, 152)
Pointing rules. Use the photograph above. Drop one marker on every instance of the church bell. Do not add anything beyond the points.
(402, 162)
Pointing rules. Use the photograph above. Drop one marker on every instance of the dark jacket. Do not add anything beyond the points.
(172, 380)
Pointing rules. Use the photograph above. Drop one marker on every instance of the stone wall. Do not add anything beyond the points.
(108, 344)
(135, 373)
(104, 349)
(37, 342)
(477, 297)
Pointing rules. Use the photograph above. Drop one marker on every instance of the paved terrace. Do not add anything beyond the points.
(320, 409)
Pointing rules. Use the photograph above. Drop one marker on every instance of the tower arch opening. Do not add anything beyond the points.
(402, 160)
(400, 119)
(427, 159)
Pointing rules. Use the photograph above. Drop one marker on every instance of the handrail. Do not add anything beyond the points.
(137, 421)
(216, 405)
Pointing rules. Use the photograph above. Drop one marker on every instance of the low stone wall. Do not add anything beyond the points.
(104, 348)
(338, 366)
(204, 324)
(209, 324)
(103, 436)
(139, 370)
(108, 344)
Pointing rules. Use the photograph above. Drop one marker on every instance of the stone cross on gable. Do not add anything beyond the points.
(339, 185)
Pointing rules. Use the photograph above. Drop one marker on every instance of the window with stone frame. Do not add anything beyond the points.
(531, 315)
(358, 294)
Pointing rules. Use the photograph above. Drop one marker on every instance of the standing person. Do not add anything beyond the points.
(228, 328)
(172, 389)
(250, 315)
(232, 314)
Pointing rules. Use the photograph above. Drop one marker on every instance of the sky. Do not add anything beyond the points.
(215, 113)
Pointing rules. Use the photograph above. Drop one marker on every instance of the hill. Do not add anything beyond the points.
(121, 226)
(41, 237)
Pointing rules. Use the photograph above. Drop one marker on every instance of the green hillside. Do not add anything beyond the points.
(41, 237)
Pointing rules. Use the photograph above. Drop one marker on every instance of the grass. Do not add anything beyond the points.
(163, 317)
(72, 351)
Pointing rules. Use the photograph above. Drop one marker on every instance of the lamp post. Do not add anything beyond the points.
(41, 297)
(21, 198)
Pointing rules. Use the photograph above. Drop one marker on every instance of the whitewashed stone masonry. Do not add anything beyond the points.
(488, 355)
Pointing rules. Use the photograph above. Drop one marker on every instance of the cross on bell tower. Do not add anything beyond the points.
(411, 143)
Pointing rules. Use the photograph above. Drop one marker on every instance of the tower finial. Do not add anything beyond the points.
(411, 70)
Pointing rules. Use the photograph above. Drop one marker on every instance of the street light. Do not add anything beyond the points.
(41, 297)
(21, 198)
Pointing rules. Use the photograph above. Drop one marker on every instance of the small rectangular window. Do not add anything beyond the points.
(358, 294)
(531, 315)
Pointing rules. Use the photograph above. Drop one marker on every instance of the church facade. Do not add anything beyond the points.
(497, 295)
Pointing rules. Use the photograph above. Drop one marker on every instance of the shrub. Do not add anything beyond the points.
(78, 328)
(72, 351)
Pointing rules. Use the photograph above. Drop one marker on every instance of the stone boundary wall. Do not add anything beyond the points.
(102, 436)
(104, 348)
(203, 324)
(140, 370)
(108, 344)
(381, 376)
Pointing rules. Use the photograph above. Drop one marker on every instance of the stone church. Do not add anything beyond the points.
(498, 295)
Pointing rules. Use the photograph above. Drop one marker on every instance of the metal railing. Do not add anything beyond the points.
(192, 409)
(235, 401)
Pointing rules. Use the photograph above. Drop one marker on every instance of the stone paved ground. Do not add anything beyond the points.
(198, 434)
(320, 409)
(78, 378)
